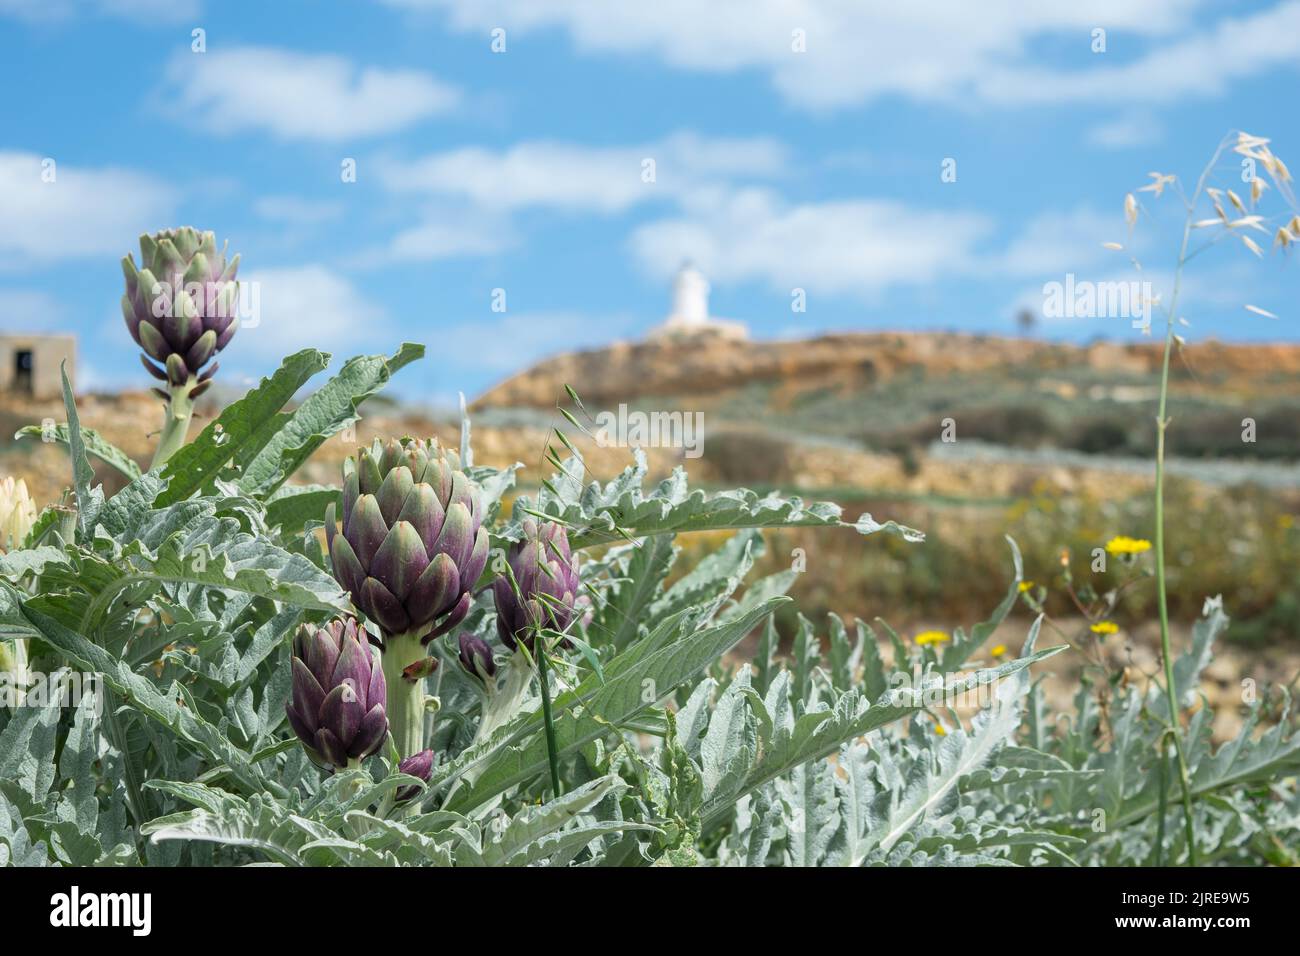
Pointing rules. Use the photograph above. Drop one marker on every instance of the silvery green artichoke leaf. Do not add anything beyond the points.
(291, 438)
(16, 845)
(789, 738)
(243, 429)
(294, 508)
(536, 834)
(959, 650)
(95, 444)
(162, 706)
(594, 709)
(89, 500)
(622, 508)
(632, 581)
(256, 823)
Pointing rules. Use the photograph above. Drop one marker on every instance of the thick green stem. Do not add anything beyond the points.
(176, 422)
(405, 697)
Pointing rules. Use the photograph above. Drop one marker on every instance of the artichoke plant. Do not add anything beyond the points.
(180, 307)
(410, 549)
(338, 707)
(17, 513)
(544, 586)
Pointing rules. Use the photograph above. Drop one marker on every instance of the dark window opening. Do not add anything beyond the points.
(23, 371)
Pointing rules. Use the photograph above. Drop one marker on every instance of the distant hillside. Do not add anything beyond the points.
(863, 361)
(891, 392)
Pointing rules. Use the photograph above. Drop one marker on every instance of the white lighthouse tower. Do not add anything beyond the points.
(690, 312)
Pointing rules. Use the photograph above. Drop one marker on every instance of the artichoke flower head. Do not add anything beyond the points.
(339, 699)
(412, 542)
(545, 587)
(180, 305)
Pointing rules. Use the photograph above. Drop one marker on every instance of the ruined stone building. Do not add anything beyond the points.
(29, 364)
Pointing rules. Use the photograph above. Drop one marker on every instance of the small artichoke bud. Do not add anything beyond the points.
(339, 699)
(17, 513)
(476, 657)
(546, 573)
(417, 765)
(180, 304)
(412, 544)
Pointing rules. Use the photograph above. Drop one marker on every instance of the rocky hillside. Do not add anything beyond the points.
(862, 360)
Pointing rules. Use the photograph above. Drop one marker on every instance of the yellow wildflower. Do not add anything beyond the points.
(931, 637)
(1026, 586)
(1121, 544)
(999, 650)
(938, 729)
(1105, 627)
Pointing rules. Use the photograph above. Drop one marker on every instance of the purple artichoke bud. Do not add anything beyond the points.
(337, 708)
(546, 572)
(476, 657)
(412, 544)
(180, 305)
(417, 765)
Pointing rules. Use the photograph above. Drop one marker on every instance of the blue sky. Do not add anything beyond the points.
(775, 169)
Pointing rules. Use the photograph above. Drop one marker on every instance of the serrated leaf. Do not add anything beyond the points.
(595, 709)
(324, 413)
(962, 646)
(94, 444)
(291, 507)
(89, 500)
(138, 691)
(243, 429)
(819, 732)
(599, 513)
(620, 616)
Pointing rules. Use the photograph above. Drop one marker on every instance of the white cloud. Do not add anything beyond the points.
(441, 237)
(1198, 64)
(503, 344)
(293, 95)
(1054, 242)
(942, 50)
(83, 212)
(856, 246)
(27, 310)
(572, 176)
(307, 306)
(1127, 131)
(472, 192)
(296, 211)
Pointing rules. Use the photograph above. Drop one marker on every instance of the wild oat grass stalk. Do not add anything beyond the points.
(1256, 149)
